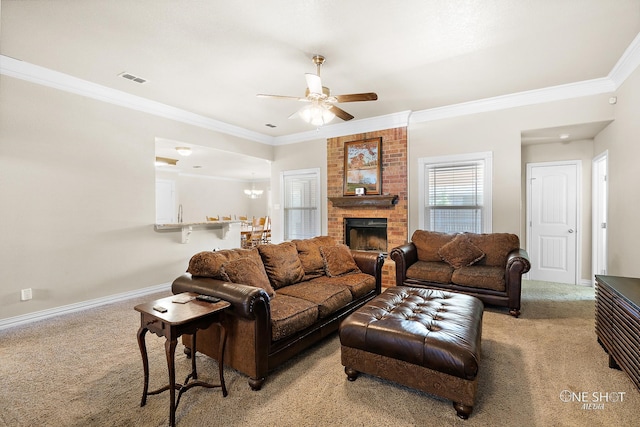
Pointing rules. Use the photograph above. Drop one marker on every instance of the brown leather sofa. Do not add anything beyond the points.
(284, 298)
(487, 266)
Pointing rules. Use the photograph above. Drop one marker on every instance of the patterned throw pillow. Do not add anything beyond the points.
(460, 252)
(338, 260)
(209, 263)
(428, 242)
(281, 263)
(246, 271)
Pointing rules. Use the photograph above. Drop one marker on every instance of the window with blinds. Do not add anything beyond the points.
(455, 195)
(301, 204)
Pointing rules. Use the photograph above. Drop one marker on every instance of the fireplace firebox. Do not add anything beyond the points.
(366, 234)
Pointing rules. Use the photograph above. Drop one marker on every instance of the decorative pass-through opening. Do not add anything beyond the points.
(366, 234)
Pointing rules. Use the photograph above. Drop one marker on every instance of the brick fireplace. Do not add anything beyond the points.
(394, 182)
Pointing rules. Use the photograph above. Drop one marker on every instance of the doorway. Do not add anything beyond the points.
(553, 198)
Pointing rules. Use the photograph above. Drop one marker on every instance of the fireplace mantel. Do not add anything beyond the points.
(364, 201)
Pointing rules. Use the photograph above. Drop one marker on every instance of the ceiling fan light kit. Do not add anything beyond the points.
(322, 108)
(316, 114)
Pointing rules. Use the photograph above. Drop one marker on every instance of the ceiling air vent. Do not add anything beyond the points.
(133, 78)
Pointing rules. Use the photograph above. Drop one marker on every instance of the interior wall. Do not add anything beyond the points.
(77, 184)
(553, 152)
(499, 132)
(621, 139)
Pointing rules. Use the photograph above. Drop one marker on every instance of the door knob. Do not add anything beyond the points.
(571, 230)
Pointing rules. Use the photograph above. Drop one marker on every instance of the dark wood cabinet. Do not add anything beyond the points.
(618, 322)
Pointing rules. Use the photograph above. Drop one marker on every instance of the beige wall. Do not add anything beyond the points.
(575, 150)
(498, 132)
(77, 184)
(622, 140)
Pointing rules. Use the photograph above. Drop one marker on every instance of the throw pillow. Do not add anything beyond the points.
(460, 252)
(428, 242)
(338, 260)
(281, 263)
(247, 272)
(310, 256)
(209, 263)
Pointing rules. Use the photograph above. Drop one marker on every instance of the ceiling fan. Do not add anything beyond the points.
(321, 108)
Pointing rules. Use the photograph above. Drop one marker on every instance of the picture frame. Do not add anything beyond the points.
(363, 166)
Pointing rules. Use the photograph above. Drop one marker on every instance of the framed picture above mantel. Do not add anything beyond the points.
(363, 167)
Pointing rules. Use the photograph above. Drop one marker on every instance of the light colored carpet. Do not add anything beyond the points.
(85, 369)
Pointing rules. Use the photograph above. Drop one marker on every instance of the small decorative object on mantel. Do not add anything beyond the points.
(363, 167)
(360, 191)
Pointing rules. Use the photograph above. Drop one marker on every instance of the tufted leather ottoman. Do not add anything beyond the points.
(422, 338)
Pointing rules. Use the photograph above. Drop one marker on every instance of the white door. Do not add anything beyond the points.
(165, 201)
(600, 214)
(553, 221)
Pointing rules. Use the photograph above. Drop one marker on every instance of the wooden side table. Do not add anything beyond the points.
(179, 319)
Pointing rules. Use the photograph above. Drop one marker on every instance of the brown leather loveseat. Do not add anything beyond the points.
(487, 266)
(284, 298)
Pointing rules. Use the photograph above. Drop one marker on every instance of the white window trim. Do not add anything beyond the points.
(283, 174)
(487, 156)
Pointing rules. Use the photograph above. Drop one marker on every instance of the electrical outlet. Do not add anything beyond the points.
(26, 294)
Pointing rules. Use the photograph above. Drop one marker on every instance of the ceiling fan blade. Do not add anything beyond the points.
(294, 115)
(295, 98)
(353, 97)
(314, 83)
(340, 113)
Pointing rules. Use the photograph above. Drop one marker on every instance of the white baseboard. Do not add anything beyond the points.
(65, 309)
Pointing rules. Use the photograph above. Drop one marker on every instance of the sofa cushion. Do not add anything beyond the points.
(329, 298)
(338, 260)
(247, 272)
(209, 263)
(281, 263)
(439, 272)
(428, 243)
(460, 252)
(496, 246)
(290, 315)
(480, 276)
(310, 256)
(358, 283)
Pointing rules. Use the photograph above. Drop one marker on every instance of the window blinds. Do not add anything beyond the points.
(301, 206)
(455, 196)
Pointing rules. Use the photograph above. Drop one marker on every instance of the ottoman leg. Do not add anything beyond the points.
(352, 374)
(462, 410)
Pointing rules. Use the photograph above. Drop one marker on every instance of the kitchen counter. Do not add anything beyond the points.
(188, 227)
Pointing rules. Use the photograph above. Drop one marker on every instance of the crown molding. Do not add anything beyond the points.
(538, 96)
(627, 64)
(43, 76)
(389, 121)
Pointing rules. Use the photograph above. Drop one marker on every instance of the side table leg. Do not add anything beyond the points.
(170, 349)
(145, 363)
(223, 341)
(194, 373)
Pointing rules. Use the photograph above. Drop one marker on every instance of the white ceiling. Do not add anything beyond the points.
(212, 57)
